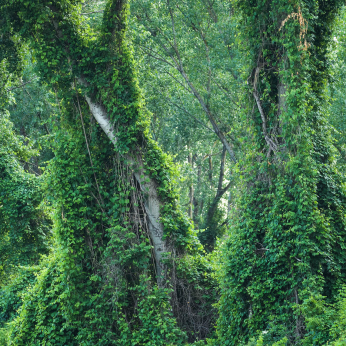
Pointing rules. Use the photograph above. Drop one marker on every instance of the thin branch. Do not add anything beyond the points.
(165, 48)
(180, 68)
(91, 191)
(199, 98)
(85, 14)
(214, 18)
(187, 89)
(225, 91)
(159, 57)
(209, 66)
(202, 35)
(173, 27)
(187, 112)
(22, 85)
(31, 164)
(210, 116)
(222, 170)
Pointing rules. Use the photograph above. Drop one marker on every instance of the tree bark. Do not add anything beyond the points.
(220, 191)
(191, 189)
(152, 200)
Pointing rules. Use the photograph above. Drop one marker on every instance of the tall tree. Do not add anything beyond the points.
(188, 65)
(288, 237)
(117, 269)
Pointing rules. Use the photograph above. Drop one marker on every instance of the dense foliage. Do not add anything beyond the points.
(287, 241)
(172, 173)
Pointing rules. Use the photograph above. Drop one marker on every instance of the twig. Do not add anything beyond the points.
(187, 112)
(85, 14)
(225, 91)
(23, 84)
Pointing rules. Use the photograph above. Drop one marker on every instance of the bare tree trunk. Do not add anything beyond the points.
(198, 206)
(191, 189)
(220, 191)
(210, 171)
(229, 203)
(191, 202)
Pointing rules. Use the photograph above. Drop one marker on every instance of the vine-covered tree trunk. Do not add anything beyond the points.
(101, 109)
(117, 267)
(288, 233)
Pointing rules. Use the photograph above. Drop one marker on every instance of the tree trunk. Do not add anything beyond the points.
(208, 224)
(286, 194)
(152, 200)
(191, 189)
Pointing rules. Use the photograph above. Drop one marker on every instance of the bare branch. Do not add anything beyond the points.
(158, 57)
(187, 112)
(22, 85)
(225, 91)
(85, 14)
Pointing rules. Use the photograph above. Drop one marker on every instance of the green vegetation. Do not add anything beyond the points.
(172, 172)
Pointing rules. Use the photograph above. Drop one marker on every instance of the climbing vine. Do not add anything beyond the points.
(24, 227)
(288, 236)
(110, 279)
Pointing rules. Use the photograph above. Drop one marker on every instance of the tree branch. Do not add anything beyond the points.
(85, 14)
(22, 85)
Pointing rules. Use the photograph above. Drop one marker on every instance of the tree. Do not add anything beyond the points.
(119, 235)
(124, 265)
(189, 69)
(288, 239)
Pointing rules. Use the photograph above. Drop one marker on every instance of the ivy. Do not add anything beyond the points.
(98, 286)
(24, 225)
(287, 238)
